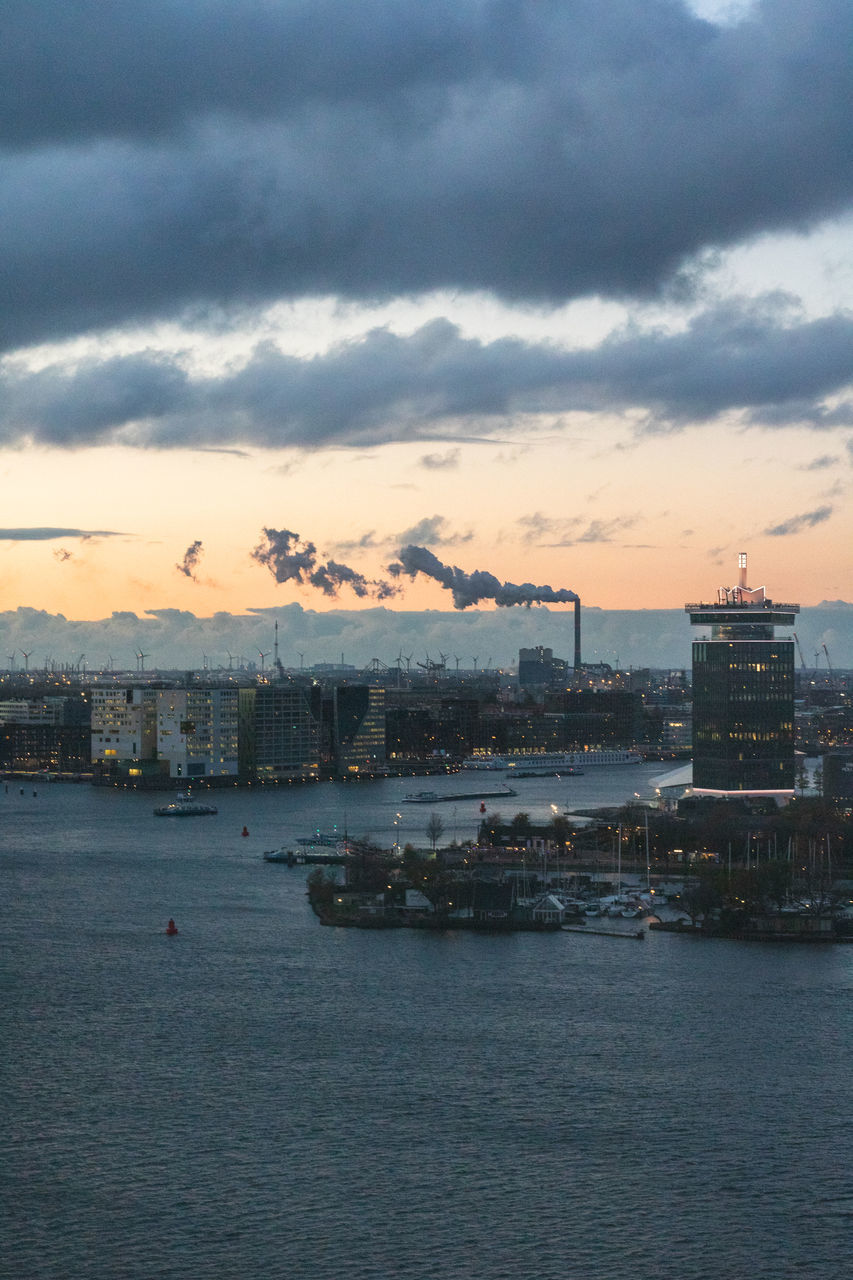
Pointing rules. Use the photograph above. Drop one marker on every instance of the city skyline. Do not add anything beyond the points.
(558, 296)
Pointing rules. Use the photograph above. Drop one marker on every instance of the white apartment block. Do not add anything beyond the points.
(197, 732)
(124, 724)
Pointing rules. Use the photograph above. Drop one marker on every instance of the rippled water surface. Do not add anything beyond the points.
(262, 1096)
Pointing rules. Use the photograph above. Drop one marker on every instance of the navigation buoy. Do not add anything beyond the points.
(482, 806)
(245, 831)
(171, 928)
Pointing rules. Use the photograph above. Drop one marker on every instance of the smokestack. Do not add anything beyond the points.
(577, 633)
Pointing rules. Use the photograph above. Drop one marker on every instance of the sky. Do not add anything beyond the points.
(321, 308)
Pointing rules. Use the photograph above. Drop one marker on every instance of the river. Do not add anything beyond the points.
(262, 1096)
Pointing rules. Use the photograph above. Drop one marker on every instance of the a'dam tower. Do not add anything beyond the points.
(743, 694)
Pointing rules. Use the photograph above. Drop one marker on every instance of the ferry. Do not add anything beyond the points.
(184, 806)
(550, 761)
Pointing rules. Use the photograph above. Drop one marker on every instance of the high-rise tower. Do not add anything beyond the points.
(743, 693)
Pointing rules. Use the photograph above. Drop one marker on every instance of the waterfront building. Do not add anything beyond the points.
(124, 730)
(357, 726)
(197, 732)
(285, 731)
(743, 694)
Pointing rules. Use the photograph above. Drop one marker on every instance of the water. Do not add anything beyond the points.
(264, 1096)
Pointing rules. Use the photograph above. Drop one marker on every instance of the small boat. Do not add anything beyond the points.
(184, 806)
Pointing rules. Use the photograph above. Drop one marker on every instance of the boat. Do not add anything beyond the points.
(437, 797)
(550, 762)
(184, 806)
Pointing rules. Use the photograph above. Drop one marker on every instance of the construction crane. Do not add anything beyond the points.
(800, 652)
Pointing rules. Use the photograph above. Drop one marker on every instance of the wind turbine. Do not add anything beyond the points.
(26, 657)
(474, 660)
(300, 656)
(10, 657)
(263, 655)
(140, 657)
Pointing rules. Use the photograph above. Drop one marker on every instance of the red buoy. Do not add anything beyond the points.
(245, 831)
(171, 928)
(482, 806)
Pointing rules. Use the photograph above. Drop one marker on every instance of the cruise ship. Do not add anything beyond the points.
(550, 761)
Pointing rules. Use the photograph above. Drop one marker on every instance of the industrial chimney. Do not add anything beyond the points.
(577, 662)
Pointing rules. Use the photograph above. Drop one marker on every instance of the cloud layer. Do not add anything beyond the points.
(177, 638)
(225, 153)
(761, 359)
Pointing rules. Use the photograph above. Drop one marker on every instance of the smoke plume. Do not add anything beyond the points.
(471, 588)
(189, 564)
(289, 559)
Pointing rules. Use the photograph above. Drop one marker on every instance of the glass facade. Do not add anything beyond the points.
(743, 715)
(286, 738)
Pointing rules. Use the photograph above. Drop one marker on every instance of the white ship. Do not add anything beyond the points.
(550, 761)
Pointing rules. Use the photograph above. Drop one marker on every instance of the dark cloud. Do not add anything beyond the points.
(289, 559)
(440, 461)
(796, 523)
(826, 462)
(189, 564)
(604, 530)
(470, 588)
(432, 529)
(47, 534)
(756, 358)
(209, 154)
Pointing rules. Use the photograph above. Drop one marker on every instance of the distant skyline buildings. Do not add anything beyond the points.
(174, 639)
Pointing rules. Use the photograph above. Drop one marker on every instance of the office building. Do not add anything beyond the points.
(743, 694)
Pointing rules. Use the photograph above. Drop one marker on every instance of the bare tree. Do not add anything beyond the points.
(434, 830)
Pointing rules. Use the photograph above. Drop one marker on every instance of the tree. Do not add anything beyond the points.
(434, 830)
(520, 828)
(560, 831)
